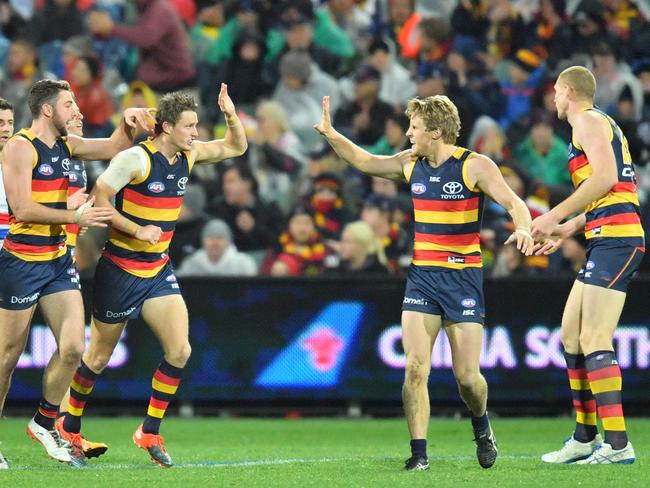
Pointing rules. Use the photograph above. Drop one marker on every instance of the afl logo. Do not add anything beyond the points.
(590, 265)
(418, 188)
(452, 188)
(468, 303)
(66, 164)
(156, 187)
(72, 177)
(46, 170)
(182, 182)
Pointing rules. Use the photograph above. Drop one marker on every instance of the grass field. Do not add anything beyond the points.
(318, 453)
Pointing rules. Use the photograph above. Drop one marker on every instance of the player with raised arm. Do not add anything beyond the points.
(444, 286)
(34, 261)
(607, 205)
(134, 275)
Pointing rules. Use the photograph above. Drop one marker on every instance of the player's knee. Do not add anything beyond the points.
(416, 372)
(593, 341)
(98, 361)
(9, 357)
(180, 354)
(70, 354)
(570, 340)
(467, 378)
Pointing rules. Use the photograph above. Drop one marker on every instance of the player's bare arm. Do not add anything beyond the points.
(593, 133)
(234, 142)
(19, 158)
(121, 138)
(562, 232)
(390, 167)
(484, 174)
(123, 168)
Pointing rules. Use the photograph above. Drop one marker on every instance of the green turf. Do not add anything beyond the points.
(319, 453)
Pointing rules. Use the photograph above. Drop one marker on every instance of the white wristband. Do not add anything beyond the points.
(80, 211)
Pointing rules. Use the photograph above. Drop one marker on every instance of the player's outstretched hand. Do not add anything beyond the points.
(544, 225)
(225, 102)
(149, 233)
(325, 124)
(145, 117)
(76, 200)
(548, 246)
(524, 241)
(89, 216)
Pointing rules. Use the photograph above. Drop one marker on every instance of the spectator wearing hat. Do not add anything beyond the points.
(612, 77)
(255, 224)
(396, 85)
(589, 27)
(525, 74)
(543, 153)
(300, 250)
(300, 91)
(218, 255)
(92, 98)
(378, 212)
(327, 205)
(363, 118)
(550, 33)
(192, 218)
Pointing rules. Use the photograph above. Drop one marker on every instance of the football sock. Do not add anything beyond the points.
(46, 414)
(164, 383)
(81, 387)
(583, 399)
(419, 447)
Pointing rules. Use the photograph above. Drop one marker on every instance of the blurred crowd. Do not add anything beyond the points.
(290, 206)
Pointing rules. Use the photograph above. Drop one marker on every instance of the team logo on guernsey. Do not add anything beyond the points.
(182, 182)
(452, 187)
(156, 186)
(418, 188)
(46, 170)
(468, 303)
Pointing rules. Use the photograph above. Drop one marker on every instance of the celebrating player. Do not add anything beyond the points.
(134, 274)
(603, 174)
(444, 285)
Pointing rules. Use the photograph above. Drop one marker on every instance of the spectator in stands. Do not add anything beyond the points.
(525, 74)
(58, 20)
(469, 21)
(21, 73)
(363, 119)
(361, 252)
(402, 27)
(509, 262)
(192, 218)
(93, 99)
(255, 224)
(394, 139)
(12, 24)
(300, 91)
(507, 32)
(589, 27)
(300, 250)
(488, 138)
(164, 66)
(550, 32)
(218, 255)
(435, 40)
(623, 18)
(351, 19)
(543, 153)
(396, 85)
(327, 205)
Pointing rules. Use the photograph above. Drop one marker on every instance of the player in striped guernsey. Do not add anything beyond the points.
(444, 285)
(134, 274)
(34, 261)
(6, 131)
(606, 202)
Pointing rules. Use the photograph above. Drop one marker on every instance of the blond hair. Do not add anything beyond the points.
(363, 234)
(437, 112)
(274, 112)
(581, 80)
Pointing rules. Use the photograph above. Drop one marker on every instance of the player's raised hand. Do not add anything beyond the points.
(149, 233)
(89, 216)
(523, 240)
(325, 124)
(144, 117)
(225, 102)
(544, 225)
(76, 200)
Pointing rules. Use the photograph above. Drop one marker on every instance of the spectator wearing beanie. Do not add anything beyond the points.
(218, 256)
(524, 76)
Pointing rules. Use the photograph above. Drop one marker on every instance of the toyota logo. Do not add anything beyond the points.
(66, 164)
(452, 187)
(182, 182)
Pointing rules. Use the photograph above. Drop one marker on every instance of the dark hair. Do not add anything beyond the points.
(400, 119)
(45, 91)
(170, 108)
(246, 174)
(93, 65)
(6, 105)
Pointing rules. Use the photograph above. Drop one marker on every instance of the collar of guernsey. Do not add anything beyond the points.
(447, 213)
(42, 242)
(617, 213)
(153, 199)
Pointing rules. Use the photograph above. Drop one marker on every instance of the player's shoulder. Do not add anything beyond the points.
(478, 161)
